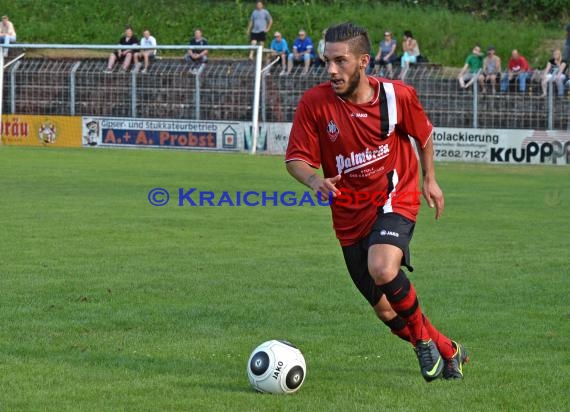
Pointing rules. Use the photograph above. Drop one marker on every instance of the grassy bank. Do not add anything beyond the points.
(444, 37)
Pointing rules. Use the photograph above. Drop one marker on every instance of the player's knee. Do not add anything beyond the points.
(382, 272)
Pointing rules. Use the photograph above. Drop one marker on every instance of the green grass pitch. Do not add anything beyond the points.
(110, 304)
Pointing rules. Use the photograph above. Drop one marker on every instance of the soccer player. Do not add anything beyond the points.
(358, 129)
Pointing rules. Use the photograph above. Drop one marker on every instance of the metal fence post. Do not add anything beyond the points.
(197, 96)
(72, 88)
(133, 93)
(476, 102)
(263, 96)
(13, 87)
(550, 106)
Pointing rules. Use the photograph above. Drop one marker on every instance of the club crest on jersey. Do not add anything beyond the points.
(332, 131)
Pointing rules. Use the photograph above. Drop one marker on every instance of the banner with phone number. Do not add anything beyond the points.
(502, 146)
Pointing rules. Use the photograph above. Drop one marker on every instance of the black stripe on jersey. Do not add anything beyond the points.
(384, 118)
(389, 189)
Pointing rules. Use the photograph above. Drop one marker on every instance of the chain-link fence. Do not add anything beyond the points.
(223, 90)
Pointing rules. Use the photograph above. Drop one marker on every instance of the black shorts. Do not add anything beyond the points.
(391, 229)
(258, 36)
(122, 57)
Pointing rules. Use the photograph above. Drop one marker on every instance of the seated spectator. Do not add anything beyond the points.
(491, 70)
(280, 48)
(411, 53)
(555, 71)
(517, 69)
(146, 54)
(302, 52)
(386, 55)
(198, 56)
(320, 58)
(471, 69)
(7, 33)
(123, 56)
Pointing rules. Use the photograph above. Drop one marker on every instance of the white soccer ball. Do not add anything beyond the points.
(276, 366)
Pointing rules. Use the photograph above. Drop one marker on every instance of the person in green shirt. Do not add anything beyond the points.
(472, 68)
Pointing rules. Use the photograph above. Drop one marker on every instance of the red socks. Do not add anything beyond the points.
(399, 327)
(442, 342)
(403, 299)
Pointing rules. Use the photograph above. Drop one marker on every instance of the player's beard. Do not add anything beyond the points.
(352, 85)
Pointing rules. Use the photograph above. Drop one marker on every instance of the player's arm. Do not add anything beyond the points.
(310, 178)
(430, 189)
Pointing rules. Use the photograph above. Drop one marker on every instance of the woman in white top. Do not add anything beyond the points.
(146, 54)
(555, 71)
(7, 33)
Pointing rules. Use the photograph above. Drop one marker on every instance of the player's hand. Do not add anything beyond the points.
(325, 187)
(434, 196)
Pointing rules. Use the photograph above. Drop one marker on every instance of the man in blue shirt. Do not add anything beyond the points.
(280, 48)
(302, 52)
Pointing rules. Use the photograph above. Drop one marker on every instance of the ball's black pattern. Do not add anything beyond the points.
(294, 377)
(259, 363)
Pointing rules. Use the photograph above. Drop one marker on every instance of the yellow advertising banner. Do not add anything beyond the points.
(41, 130)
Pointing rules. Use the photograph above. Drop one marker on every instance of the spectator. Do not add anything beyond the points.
(259, 25)
(279, 47)
(411, 53)
(566, 55)
(470, 70)
(7, 33)
(146, 54)
(302, 52)
(124, 56)
(320, 57)
(517, 69)
(197, 56)
(555, 72)
(491, 70)
(386, 55)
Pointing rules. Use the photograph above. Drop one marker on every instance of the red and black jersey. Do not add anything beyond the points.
(367, 144)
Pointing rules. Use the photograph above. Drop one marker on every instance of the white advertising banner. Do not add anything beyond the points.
(278, 137)
(502, 146)
(180, 134)
(450, 144)
(470, 145)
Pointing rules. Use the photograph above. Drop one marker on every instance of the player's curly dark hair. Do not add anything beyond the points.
(356, 36)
